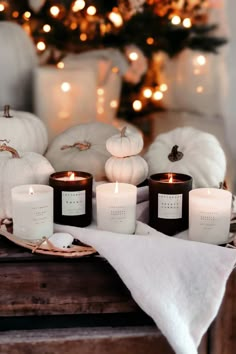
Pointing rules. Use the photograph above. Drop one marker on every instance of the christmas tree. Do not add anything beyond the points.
(59, 27)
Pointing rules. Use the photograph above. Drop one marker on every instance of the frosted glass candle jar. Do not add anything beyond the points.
(209, 215)
(116, 207)
(169, 202)
(72, 197)
(32, 211)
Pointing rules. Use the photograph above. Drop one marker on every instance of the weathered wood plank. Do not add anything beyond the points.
(123, 340)
(223, 330)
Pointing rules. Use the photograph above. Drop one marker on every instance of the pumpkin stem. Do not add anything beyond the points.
(6, 113)
(81, 146)
(14, 153)
(122, 133)
(175, 155)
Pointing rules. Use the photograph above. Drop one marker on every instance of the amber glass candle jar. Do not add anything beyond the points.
(72, 197)
(169, 202)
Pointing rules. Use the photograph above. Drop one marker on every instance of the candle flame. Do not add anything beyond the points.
(170, 176)
(116, 187)
(31, 190)
(208, 191)
(71, 176)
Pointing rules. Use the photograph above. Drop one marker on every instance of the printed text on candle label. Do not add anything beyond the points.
(73, 203)
(118, 214)
(170, 206)
(208, 220)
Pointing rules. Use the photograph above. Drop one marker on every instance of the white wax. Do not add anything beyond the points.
(209, 215)
(116, 211)
(32, 213)
(67, 178)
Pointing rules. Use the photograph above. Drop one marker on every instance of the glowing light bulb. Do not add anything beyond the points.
(78, 5)
(41, 46)
(133, 56)
(27, 15)
(91, 10)
(147, 92)
(176, 20)
(187, 23)
(47, 28)
(150, 40)
(199, 89)
(15, 14)
(60, 65)
(114, 104)
(201, 60)
(116, 19)
(65, 86)
(100, 91)
(2, 7)
(163, 87)
(83, 37)
(54, 10)
(137, 105)
(157, 95)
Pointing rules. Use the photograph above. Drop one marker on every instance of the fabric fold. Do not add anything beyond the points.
(179, 283)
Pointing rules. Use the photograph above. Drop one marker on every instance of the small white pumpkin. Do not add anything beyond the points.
(82, 148)
(27, 168)
(18, 60)
(23, 131)
(190, 151)
(127, 143)
(132, 169)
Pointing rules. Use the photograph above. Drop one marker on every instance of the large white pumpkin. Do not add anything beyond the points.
(190, 151)
(17, 61)
(18, 169)
(23, 131)
(82, 148)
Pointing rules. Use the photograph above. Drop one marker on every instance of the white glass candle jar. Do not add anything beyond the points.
(32, 211)
(209, 215)
(116, 207)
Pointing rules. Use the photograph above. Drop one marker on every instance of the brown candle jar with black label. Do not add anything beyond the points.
(169, 202)
(72, 197)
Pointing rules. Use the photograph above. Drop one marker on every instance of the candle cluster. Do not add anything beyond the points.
(173, 206)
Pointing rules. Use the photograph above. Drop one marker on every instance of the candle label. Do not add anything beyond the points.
(73, 203)
(209, 220)
(118, 214)
(170, 206)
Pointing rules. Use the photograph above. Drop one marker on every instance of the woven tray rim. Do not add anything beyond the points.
(75, 251)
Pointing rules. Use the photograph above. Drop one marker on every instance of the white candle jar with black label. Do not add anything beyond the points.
(72, 197)
(169, 202)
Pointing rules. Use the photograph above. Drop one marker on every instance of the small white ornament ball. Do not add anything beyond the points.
(61, 239)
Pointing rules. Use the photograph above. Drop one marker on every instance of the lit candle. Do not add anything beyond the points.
(209, 215)
(168, 202)
(72, 197)
(32, 211)
(116, 207)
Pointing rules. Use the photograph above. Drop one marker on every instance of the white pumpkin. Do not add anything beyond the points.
(17, 61)
(23, 131)
(132, 169)
(26, 168)
(190, 151)
(127, 143)
(82, 148)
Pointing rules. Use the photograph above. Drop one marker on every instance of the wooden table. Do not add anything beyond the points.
(56, 305)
